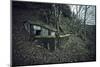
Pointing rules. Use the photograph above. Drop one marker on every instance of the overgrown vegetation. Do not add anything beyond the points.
(80, 46)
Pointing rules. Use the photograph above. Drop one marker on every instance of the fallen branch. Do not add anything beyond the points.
(60, 36)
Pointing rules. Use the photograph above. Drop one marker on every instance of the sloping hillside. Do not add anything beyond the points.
(31, 52)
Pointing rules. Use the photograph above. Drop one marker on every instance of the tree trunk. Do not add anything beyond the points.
(85, 22)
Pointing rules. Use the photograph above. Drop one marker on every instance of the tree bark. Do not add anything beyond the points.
(85, 22)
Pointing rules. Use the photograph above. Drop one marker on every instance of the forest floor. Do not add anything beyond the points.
(75, 50)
